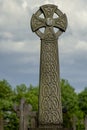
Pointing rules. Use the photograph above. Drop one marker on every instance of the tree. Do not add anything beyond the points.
(6, 105)
(69, 102)
(5, 89)
(32, 96)
(5, 95)
(29, 93)
(82, 99)
(20, 92)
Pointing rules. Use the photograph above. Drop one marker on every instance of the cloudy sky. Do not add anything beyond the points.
(20, 48)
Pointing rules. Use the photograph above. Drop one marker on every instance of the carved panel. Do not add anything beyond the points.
(37, 23)
(48, 10)
(50, 110)
(61, 22)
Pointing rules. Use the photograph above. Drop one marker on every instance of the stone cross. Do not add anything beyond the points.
(27, 117)
(74, 122)
(24, 112)
(49, 23)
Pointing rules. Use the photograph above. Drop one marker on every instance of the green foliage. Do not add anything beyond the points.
(5, 96)
(5, 89)
(32, 97)
(73, 104)
(69, 102)
(83, 101)
(29, 93)
(12, 121)
(6, 105)
(69, 97)
(19, 92)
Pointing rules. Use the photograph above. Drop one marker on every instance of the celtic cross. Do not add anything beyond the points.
(50, 108)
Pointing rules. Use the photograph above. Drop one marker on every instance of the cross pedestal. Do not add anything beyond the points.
(50, 19)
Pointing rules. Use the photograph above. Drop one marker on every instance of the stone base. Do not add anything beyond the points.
(49, 129)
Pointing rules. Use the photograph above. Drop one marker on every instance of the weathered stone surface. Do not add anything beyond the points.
(50, 108)
(25, 113)
(48, 22)
(50, 111)
(74, 122)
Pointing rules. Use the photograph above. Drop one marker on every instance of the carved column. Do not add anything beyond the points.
(50, 108)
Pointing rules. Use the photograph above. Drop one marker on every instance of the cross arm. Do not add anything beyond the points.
(37, 23)
(61, 22)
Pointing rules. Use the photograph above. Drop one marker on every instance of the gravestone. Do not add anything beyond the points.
(22, 112)
(26, 115)
(49, 23)
(74, 122)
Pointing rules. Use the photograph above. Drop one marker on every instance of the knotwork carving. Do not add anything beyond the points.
(50, 99)
(48, 22)
(50, 108)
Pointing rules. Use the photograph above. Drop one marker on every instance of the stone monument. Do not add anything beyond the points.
(27, 118)
(50, 19)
